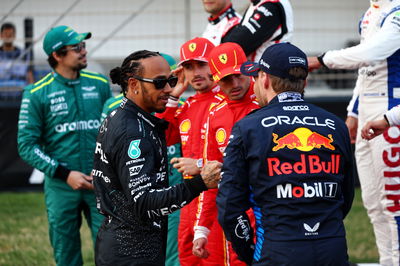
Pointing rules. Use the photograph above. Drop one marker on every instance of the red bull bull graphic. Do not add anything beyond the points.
(302, 139)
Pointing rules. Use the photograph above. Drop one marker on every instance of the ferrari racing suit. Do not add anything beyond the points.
(264, 23)
(57, 129)
(131, 183)
(377, 90)
(187, 126)
(292, 163)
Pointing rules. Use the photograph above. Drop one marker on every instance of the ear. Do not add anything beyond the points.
(265, 80)
(56, 56)
(133, 86)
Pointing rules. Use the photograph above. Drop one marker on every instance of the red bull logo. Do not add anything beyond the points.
(302, 139)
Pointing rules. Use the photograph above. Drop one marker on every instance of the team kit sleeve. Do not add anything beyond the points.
(259, 28)
(233, 199)
(385, 42)
(171, 115)
(30, 126)
(143, 183)
(349, 168)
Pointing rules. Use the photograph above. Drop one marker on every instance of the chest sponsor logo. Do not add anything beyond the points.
(78, 125)
(135, 161)
(134, 151)
(135, 170)
(184, 128)
(88, 88)
(165, 211)
(90, 95)
(308, 164)
(98, 173)
(313, 190)
(100, 151)
(296, 108)
(220, 136)
(311, 231)
(295, 120)
(265, 11)
(302, 139)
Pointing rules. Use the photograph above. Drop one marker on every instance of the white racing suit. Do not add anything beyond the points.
(377, 90)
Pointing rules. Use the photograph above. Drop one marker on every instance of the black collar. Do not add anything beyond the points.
(287, 96)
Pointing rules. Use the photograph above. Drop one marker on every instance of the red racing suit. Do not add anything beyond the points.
(187, 125)
(219, 124)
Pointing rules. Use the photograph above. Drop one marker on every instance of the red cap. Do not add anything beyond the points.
(226, 59)
(196, 49)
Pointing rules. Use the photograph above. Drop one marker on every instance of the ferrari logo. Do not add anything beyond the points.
(192, 46)
(223, 58)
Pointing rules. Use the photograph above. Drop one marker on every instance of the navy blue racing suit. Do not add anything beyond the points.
(292, 163)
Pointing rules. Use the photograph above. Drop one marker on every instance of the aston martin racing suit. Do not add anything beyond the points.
(377, 90)
(292, 163)
(264, 23)
(220, 122)
(57, 130)
(130, 176)
(220, 25)
(187, 126)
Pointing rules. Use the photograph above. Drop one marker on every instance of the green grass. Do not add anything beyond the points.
(24, 236)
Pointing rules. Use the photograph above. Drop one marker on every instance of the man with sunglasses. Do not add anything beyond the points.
(58, 125)
(130, 172)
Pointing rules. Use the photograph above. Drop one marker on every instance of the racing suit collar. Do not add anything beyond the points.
(155, 122)
(68, 82)
(228, 11)
(287, 96)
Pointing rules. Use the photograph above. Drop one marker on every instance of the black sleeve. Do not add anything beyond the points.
(261, 26)
(348, 182)
(143, 178)
(233, 199)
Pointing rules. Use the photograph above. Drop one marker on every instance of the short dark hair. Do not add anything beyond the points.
(52, 61)
(130, 66)
(296, 83)
(7, 25)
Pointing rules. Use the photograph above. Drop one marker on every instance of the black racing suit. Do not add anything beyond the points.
(131, 185)
(292, 163)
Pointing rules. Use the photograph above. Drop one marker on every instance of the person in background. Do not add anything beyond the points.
(174, 176)
(14, 71)
(221, 20)
(264, 23)
(58, 124)
(224, 62)
(130, 171)
(377, 59)
(375, 128)
(292, 163)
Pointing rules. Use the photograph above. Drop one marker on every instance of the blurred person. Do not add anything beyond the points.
(264, 23)
(187, 126)
(130, 167)
(221, 20)
(14, 72)
(224, 61)
(377, 58)
(58, 124)
(292, 163)
(174, 176)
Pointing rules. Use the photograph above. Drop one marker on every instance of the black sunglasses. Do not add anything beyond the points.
(159, 83)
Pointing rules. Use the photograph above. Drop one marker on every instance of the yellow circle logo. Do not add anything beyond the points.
(184, 127)
(220, 136)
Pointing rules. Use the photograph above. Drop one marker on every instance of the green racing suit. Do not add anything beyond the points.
(57, 130)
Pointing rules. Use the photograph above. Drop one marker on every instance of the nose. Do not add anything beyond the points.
(167, 89)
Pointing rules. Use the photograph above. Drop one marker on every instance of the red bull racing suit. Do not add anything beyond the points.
(292, 163)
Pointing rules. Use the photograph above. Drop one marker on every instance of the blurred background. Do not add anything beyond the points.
(120, 27)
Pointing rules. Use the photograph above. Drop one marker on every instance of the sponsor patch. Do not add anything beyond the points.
(135, 170)
(134, 151)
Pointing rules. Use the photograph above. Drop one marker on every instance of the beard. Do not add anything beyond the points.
(80, 66)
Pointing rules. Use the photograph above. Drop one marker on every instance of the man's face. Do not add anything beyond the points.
(259, 88)
(75, 58)
(214, 7)
(235, 86)
(8, 36)
(198, 74)
(152, 99)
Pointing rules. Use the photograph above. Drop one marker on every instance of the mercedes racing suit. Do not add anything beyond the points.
(219, 124)
(292, 163)
(131, 184)
(377, 90)
(264, 23)
(219, 26)
(57, 130)
(187, 125)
